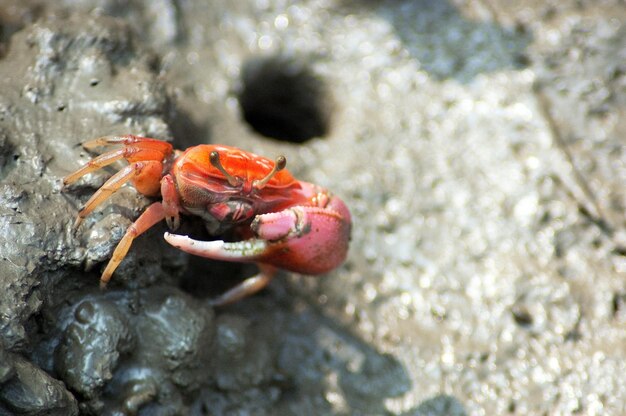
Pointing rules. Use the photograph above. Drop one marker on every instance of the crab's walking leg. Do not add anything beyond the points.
(152, 215)
(135, 149)
(143, 175)
(128, 139)
(248, 287)
(171, 202)
(219, 250)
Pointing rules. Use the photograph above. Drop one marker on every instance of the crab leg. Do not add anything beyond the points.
(246, 288)
(141, 172)
(136, 149)
(129, 139)
(152, 215)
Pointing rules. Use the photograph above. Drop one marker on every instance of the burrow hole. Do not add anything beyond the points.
(281, 98)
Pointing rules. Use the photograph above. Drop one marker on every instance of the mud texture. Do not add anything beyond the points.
(479, 146)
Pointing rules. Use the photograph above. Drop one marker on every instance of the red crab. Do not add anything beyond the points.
(284, 223)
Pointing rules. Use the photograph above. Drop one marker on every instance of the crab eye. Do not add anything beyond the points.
(279, 164)
(214, 157)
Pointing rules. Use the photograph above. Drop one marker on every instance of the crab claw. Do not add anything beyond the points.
(247, 250)
(302, 239)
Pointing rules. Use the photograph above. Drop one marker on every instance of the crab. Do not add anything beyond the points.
(281, 222)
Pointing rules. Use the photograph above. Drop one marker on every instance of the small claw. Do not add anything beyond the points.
(173, 222)
(278, 225)
(247, 250)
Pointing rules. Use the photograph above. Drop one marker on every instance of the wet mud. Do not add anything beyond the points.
(478, 145)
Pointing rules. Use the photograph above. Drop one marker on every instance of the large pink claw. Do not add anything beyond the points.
(302, 239)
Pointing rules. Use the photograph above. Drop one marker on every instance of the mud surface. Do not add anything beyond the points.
(479, 146)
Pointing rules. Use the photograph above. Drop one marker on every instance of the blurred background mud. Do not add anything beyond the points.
(479, 144)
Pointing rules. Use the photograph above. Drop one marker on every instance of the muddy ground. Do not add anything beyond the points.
(479, 145)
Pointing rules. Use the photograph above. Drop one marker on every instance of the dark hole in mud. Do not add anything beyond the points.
(512, 407)
(618, 304)
(284, 100)
(522, 317)
(93, 82)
